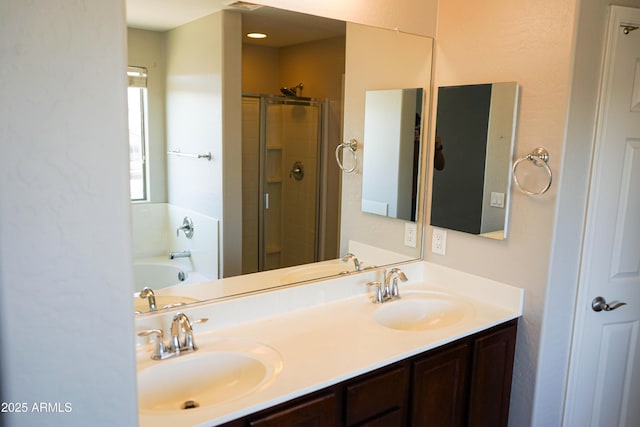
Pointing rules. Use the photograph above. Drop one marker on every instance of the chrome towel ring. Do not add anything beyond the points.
(351, 146)
(540, 158)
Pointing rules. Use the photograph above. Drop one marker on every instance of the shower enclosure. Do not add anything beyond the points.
(281, 164)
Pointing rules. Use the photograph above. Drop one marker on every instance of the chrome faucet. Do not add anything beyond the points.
(181, 340)
(351, 256)
(182, 254)
(388, 290)
(147, 292)
(181, 334)
(391, 290)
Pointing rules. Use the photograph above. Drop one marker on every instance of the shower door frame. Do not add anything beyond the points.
(265, 101)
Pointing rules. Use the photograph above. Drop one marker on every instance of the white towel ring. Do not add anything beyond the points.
(540, 158)
(352, 146)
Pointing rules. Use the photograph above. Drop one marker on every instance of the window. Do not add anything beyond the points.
(137, 131)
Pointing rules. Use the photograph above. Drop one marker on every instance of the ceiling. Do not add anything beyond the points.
(282, 27)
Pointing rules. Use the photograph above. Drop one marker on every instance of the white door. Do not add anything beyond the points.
(604, 374)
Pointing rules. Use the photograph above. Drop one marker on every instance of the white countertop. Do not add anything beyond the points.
(325, 333)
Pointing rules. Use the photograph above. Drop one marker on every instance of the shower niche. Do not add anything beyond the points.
(281, 163)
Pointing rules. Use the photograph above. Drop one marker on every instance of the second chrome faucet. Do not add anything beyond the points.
(388, 289)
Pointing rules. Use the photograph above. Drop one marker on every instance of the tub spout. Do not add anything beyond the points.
(183, 254)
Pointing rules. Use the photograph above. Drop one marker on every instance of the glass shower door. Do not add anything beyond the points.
(290, 143)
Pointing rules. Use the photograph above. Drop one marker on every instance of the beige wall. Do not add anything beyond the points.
(410, 16)
(260, 69)
(531, 44)
(319, 65)
(377, 59)
(146, 49)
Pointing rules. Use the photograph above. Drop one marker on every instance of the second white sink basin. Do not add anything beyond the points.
(416, 311)
(217, 372)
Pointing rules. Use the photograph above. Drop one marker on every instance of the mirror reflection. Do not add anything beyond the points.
(390, 171)
(475, 131)
(248, 162)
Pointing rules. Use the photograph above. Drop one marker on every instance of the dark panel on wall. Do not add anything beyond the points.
(461, 124)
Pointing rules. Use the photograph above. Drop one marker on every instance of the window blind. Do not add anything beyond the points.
(137, 77)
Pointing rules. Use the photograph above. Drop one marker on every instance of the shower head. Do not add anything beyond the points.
(292, 91)
(288, 91)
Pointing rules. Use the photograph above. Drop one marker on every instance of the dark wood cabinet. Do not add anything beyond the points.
(318, 411)
(492, 367)
(378, 398)
(465, 383)
(439, 387)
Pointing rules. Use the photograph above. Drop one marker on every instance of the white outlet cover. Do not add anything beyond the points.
(410, 234)
(439, 241)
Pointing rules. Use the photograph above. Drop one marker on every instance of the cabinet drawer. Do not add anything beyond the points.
(320, 411)
(381, 392)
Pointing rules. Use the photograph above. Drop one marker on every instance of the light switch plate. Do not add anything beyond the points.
(410, 234)
(497, 199)
(439, 241)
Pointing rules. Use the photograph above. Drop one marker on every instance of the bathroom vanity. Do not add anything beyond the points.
(467, 382)
(324, 354)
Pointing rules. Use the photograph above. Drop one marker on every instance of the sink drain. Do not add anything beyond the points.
(190, 404)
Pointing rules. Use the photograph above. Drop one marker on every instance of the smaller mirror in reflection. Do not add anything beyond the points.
(390, 165)
(475, 129)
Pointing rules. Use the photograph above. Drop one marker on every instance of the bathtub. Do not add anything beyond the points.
(161, 272)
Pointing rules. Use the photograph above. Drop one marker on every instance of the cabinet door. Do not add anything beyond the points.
(439, 388)
(321, 411)
(490, 391)
(379, 398)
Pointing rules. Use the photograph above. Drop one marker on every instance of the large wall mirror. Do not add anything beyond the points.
(392, 135)
(475, 130)
(279, 124)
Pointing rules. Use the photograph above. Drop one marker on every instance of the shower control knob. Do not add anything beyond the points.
(297, 171)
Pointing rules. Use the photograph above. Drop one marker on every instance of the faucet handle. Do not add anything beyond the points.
(201, 320)
(160, 349)
(378, 298)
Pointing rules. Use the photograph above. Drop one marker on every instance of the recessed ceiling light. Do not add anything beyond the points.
(256, 35)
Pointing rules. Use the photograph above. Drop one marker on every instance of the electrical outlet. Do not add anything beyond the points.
(410, 234)
(439, 241)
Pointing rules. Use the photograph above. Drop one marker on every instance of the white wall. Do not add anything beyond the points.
(203, 115)
(154, 235)
(65, 269)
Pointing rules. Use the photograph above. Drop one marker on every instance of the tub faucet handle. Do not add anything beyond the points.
(187, 227)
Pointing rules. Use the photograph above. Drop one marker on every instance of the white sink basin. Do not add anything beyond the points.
(416, 311)
(217, 372)
(162, 301)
